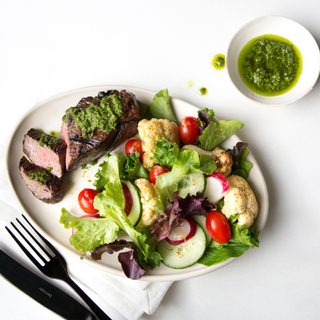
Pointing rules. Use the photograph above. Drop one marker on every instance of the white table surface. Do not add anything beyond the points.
(48, 47)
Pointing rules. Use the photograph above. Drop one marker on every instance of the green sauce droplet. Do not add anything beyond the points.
(203, 91)
(55, 134)
(219, 61)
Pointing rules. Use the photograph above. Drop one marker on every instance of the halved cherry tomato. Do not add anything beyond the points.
(85, 199)
(132, 146)
(189, 130)
(156, 171)
(218, 227)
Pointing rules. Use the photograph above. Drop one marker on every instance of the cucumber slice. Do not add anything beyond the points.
(192, 184)
(185, 254)
(202, 221)
(136, 211)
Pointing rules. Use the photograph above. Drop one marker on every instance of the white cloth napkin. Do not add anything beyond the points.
(129, 297)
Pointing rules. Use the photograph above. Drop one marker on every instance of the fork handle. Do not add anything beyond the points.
(96, 310)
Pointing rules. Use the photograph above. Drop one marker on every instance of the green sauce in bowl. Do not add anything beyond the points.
(270, 65)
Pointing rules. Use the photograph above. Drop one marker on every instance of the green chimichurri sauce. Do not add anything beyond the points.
(55, 134)
(103, 116)
(203, 91)
(41, 176)
(47, 140)
(270, 65)
(219, 61)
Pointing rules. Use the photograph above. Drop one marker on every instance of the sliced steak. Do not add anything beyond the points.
(47, 189)
(49, 155)
(81, 150)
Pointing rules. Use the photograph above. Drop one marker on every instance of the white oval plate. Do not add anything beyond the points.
(46, 217)
(285, 28)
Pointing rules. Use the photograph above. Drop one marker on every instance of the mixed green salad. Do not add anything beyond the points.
(182, 235)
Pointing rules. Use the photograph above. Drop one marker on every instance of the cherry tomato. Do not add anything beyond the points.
(218, 227)
(156, 171)
(132, 146)
(85, 199)
(189, 130)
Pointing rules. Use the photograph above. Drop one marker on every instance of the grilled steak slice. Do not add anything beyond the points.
(82, 150)
(45, 151)
(43, 184)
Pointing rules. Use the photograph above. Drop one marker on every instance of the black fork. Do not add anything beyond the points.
(56, 267)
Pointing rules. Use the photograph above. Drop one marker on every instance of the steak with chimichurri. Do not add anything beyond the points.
(42, 183)
(45, 151)
(97, 125)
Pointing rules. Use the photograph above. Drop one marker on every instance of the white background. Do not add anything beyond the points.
(48, 47)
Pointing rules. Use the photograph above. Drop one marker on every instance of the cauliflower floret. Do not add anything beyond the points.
(241, 200)
(222, 158)
(149, 197)
(153, 130)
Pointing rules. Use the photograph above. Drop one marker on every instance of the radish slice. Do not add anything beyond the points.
(216, 187)
(87, 216)
(182, 233)
(127, 198)
(91, 216)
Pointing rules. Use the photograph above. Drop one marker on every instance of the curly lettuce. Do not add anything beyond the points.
(165, 153)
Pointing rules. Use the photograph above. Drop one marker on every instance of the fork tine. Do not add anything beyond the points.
(34, 239)
(28, 242)
(30, 256)
(52, 248)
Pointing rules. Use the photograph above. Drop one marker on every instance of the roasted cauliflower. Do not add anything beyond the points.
(153, 130)
(149, 197)
(241, 200)
(222, 158)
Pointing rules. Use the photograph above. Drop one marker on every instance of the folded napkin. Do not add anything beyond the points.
(130, 298)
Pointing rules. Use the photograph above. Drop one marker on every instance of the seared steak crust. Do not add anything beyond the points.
(82, 150)
(45, 156)
(48, 191)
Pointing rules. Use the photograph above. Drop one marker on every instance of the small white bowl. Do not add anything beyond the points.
(285, 28)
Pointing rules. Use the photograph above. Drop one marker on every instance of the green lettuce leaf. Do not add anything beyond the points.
(109, 203)
(165, 152)
(242, 235)
(160, 107)
(129, 168)
(133, 168)
(187, 162)
(243, 166)
(218, 131)
(90, 233)
(214, 255)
